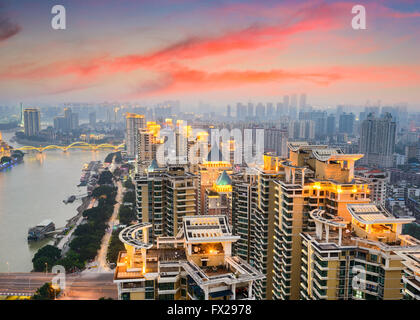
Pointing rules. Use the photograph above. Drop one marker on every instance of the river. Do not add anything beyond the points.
(33, 191)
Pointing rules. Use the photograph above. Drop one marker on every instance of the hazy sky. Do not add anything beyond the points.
(215, 51)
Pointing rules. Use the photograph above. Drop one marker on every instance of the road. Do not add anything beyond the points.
(22, 283)
(88, 286)
(102, 253)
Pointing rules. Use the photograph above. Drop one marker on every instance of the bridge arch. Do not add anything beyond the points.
(74, 145)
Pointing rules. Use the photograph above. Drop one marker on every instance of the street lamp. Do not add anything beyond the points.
(46, 268)
(8, 267)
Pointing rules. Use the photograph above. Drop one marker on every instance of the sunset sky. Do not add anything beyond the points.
(215, 51)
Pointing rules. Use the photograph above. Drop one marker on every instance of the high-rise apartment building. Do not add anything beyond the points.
(346, 123)
(331, 125)
(241, 111)
(377, 141)
(279, 110)
(315, 177)
(301, 129)
(260, 111)
(275, 140)
(293, 112)
(228, 112)
(244, 197)
(411, 273)
(209, 171)
(286, 100)
(356, 257)
(68, 122)
(250, 110)
(378, 180)
(163, 196)
(134, 122)
(302, 102)
(270, 111)
(285, 191)
(32, 122)
(218, 199)
(195, 264)
(92, 119)
(308, 222)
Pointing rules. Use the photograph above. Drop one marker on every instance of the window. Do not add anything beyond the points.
(150, 295)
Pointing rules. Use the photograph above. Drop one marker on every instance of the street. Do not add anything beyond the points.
(102, 253)
(83, 286)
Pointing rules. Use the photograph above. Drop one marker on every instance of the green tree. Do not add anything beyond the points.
(46, 292)
(130, 196)
(115, 246)
(128, 184)
(127, 215)
(46, 257)
(105, 178)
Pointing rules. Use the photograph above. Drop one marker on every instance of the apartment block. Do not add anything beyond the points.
(196, 264)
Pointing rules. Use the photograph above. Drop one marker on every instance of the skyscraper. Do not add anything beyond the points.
(286, 104)
(279, 110)
(346, 123)
(377, 141)
(260, 111)
(331, 126)
(241, 111)
(270, 111)
(68, 122)
(293, 107)
(250, 110)
(302, 102)
(92, 119)
(134, 122)
(165, 195)
(275, 140)
(32, 121)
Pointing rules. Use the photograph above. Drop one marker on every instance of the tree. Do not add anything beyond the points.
(5, 159)
(72, 261)
(127, 215)
(46, 257)
(115, 246)
(105, 191)
(117, 172)
(46, 292)
(130, 196)
(105, 177)
(128, 184)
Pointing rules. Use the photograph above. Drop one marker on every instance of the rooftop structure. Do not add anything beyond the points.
(199, 255)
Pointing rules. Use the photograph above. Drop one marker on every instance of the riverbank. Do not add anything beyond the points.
(33, 191)
(72, 224)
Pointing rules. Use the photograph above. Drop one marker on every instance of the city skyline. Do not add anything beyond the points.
(228, 151)
(194, 51)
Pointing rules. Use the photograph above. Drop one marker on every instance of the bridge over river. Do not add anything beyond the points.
(75, 145)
